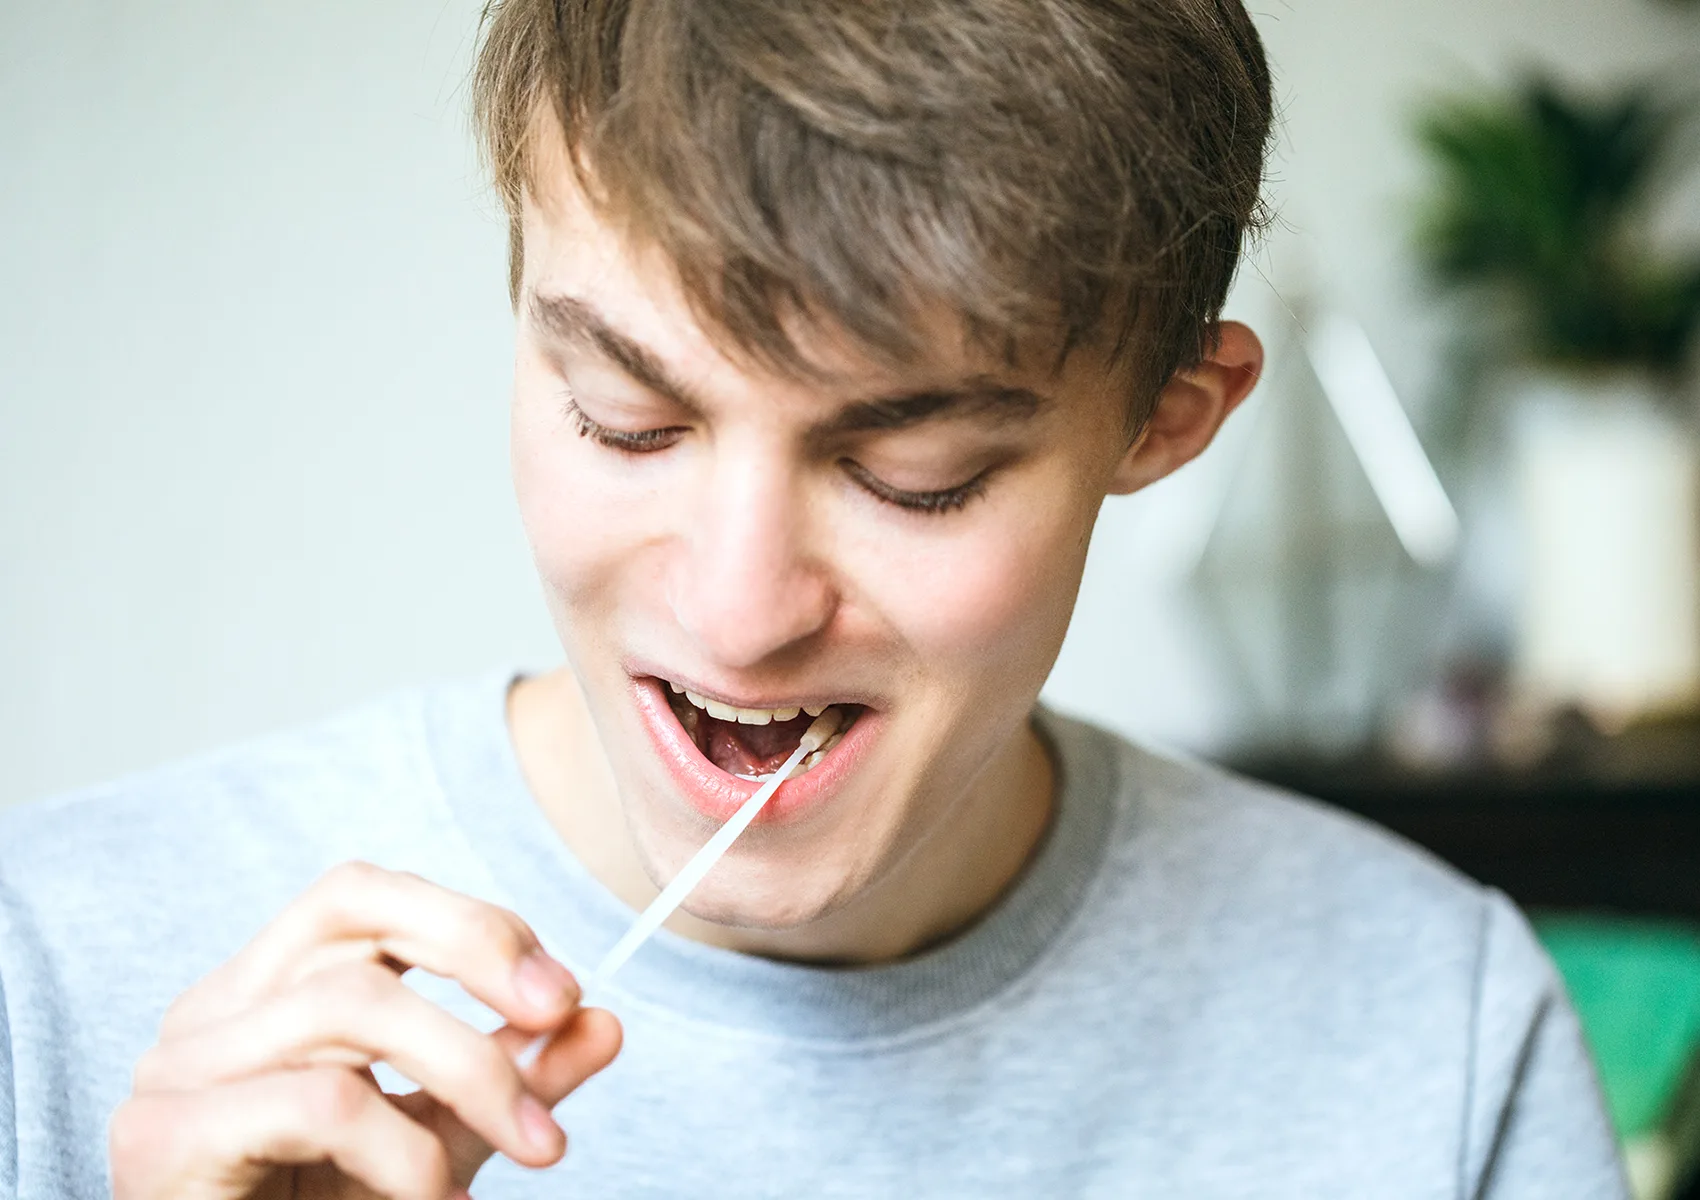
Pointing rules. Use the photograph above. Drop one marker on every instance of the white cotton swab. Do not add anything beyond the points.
(682, 884)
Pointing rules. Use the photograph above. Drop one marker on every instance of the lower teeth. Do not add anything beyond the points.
(809, 763)
(690, 718)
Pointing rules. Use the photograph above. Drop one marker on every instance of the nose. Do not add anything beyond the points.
(747, 583)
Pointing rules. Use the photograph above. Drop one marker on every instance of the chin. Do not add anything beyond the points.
(761, 886)
(766, 914)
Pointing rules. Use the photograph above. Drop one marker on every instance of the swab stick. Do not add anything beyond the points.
(681, 885)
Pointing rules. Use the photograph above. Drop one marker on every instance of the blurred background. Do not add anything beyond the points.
(1444, 568)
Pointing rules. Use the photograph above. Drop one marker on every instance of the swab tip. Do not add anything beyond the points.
(822, 728)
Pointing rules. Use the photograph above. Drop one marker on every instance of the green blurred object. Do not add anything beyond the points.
(1539, 208)
(1636, 985)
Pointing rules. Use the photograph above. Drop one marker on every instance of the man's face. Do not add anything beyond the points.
(906, 546)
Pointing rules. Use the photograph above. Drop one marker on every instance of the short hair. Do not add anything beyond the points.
(1055, 172)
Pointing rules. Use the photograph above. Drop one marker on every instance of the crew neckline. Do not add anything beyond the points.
(578, 918)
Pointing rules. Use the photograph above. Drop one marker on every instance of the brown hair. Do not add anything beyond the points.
(1082, 170)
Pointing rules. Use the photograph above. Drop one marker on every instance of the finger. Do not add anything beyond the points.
(358, 911)
(225, 1141)
(586, 1044)
(352, 1016)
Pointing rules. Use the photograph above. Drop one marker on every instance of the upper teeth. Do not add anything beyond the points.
(746, 716)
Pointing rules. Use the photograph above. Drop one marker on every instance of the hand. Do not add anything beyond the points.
(261, 1085)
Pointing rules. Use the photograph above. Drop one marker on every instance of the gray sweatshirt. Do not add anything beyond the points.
(1199, 988)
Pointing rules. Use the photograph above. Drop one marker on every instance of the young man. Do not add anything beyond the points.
(836, 324)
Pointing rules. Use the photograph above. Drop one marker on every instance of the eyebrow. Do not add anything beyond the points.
(577, 323)
(978, 397)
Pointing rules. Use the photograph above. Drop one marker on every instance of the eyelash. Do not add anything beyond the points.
(929, 503)
(649, 441)
(644, 442)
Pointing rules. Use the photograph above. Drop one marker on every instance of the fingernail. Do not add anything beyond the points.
(542, 982)
(536, 1123)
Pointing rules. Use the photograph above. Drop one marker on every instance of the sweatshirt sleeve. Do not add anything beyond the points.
(1536, 1125)
(8, 1107)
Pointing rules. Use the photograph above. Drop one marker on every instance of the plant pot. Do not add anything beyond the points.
(1606, 479)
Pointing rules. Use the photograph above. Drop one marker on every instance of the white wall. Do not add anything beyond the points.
(1349, 76)
(254, 356)
(254, 353)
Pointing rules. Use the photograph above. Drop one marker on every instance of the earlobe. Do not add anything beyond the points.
(1191, 409)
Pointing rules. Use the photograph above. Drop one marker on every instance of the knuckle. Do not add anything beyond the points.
(131, 1133)
(151, 1072)
(362, 984)
(144, 1144)
(482, 1069)
(352, 876)
(345, 893)
(331, 1098)
(176, 1010)
(182, 1014)
(481, 927)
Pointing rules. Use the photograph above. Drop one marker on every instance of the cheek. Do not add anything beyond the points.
(580, 524)
(549, 491)
(995, 600)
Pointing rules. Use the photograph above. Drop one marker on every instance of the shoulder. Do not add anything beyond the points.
(269, 791)
(1211, 832)
(1303, 953)
(1287, 903)
(220, 840)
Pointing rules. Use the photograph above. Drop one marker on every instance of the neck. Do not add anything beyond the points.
(938, 889)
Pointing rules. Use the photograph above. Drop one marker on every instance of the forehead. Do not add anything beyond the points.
(572, 247)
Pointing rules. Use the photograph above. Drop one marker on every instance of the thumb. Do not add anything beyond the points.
(587, 1042)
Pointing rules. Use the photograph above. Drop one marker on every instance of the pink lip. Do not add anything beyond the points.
(718, 795)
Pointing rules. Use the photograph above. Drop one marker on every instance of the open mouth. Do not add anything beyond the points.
(753, 743)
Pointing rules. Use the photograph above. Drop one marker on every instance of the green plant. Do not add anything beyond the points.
(1539, 205)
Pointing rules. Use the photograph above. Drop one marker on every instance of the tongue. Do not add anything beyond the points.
(750, 749)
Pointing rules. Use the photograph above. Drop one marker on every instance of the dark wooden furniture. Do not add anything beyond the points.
(1609, 824)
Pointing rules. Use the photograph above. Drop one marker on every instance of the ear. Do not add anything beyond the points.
(1191, 408)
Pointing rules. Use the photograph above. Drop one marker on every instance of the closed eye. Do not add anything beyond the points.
(941, 501)
(649, 441)
(642, 441)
